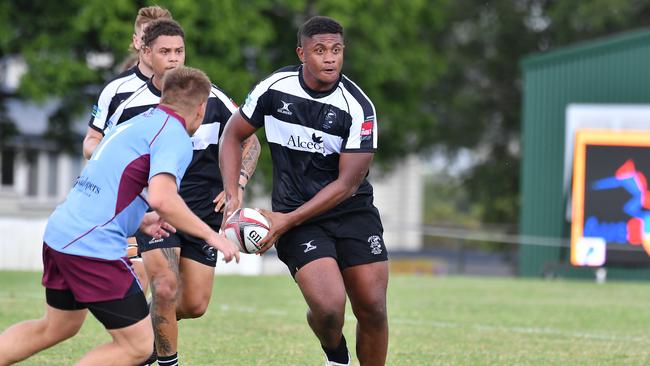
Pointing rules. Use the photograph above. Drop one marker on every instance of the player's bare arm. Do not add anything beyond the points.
(230, 159)
(352, 169)
(164, 199)
(250, 153)
(92, 139)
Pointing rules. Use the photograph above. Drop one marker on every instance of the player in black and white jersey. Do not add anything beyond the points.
(123, 85)
(181, 267)
(322, 133)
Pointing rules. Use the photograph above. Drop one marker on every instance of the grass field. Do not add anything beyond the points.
(433, 321)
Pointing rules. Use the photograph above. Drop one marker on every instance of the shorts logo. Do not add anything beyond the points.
(308, 246)
(154, 241)
(285, 108)
(375, 244)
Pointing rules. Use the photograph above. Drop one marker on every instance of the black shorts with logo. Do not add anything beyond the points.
(352, 238)
(191, 247)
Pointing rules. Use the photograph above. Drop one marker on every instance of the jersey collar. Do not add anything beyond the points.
(172, 113)
(313, 93)
(152, 88)
(139, 73)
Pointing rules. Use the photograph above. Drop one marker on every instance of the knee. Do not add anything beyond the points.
(164, 289)
(141, 351)
(329, 317)
(372, 313)
(194, 310)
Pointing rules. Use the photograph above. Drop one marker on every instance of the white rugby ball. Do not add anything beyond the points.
(246, 227)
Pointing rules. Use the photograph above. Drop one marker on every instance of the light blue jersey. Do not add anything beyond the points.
(106, 204)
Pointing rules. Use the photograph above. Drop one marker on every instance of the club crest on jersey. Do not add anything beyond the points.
(330, 117)
(285, 108)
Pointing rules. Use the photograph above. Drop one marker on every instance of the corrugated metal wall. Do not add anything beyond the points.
(614, 70)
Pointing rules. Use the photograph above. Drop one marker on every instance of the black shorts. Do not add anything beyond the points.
(352, 239)
(191, 247)
(113, 314)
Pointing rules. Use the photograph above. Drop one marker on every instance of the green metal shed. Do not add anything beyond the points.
(611, 70)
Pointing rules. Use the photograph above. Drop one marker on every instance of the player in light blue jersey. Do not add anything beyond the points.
(84, 246)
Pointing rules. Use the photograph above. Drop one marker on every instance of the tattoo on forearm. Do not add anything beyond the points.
(250, 153)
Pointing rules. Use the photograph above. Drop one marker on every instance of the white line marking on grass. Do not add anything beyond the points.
(521, 330)
(451, 325)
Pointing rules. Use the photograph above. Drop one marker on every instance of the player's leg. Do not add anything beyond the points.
(366, 285)
(196, 288)
(309, 252)
(363, 261)
(322, 287)
(26, 338)
(197, 264)
(162, 268)
(127, 321)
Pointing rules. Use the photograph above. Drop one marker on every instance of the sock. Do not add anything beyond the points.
(338, 354)
(168, 360)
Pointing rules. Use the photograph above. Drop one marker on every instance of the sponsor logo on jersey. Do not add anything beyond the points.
(285, 108)
(375, 244)
(315, 145)
(85, 186)
(366, 127)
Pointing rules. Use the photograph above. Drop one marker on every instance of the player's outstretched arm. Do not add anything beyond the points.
(164, 199)
(92, 139)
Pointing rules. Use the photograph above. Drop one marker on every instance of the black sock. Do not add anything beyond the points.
(338, 354)
(168, 360)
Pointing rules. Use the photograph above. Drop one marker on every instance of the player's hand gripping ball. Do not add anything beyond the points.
(246, 227)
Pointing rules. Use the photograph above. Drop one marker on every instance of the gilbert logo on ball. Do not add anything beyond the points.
(246, 227)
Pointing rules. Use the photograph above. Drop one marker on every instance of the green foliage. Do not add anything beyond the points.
(441, 73)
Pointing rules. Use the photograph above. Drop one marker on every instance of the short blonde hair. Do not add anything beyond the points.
(147, 15)
(185, 87)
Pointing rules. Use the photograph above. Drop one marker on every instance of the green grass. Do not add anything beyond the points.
(433, 321)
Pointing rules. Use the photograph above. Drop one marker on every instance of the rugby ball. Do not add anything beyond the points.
(246, 227)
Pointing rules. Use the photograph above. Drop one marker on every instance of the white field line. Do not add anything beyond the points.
(451, 325)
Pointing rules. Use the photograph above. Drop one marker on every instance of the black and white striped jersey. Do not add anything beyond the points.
(202, 180)
(308, 130)
(113, 94)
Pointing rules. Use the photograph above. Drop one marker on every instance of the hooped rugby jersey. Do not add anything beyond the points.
(308, 130)
(113, 94)
(106, 205)
(202, 181)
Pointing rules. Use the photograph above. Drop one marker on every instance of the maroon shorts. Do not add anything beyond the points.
(89, 279)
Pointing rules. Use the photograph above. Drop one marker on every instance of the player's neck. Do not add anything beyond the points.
(144, 69)
(157, 82)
